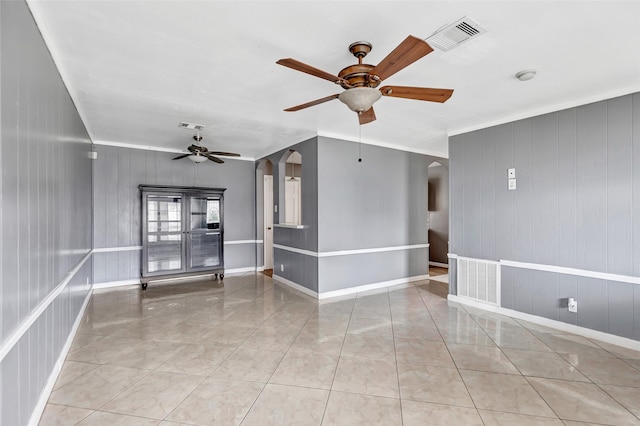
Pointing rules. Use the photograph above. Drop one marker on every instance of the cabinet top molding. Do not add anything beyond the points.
(166, 188)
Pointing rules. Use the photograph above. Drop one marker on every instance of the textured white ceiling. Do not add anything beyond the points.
(137, 68)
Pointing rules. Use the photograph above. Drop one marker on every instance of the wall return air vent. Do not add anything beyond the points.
(455, 34)
(479, 280)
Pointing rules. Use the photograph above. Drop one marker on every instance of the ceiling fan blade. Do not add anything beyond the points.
(301, 66)
(418, 93)
(367, 116)
(196, 148)
(212, 158)
(224, 154)
(407, 52)
(181, 156)
(312, 103)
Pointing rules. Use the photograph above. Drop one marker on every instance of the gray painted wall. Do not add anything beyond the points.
(45, 198)
(577, 205)
(298, 268)
(438, 213)
(117, 173)
(379, 202)
(347, 205)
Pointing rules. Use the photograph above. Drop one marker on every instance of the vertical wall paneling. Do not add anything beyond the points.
(545, 299)
(456, 211)
(10, 94)
(620, 312)
(45, 224)
(593, 304)
(521, 242)
(3, 92)
(591, 188)
(506, 287)
(567, 216)
(521, 237)
(577, 205)
(544, 189)
(635, 196)
(619, 247)
(118, 172)
(503, 202)
(472, 203)
(635, 173)
(488, 194)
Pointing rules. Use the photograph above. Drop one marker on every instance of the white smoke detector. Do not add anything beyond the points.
(453, 35)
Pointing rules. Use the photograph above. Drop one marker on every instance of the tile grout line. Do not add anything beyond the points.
(395, 355)
(335, 373)
(452, 358)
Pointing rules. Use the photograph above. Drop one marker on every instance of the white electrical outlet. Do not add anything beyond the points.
(275, 208)
(281, 267)
(512, 185)
(572, 305)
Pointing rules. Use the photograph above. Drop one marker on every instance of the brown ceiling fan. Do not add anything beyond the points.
(361, 80)
(199, 153)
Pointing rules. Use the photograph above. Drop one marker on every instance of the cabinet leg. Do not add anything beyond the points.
(144, 286)
(221, 276)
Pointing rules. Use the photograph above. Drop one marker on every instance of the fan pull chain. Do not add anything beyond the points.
(359, 143)
(195, 179)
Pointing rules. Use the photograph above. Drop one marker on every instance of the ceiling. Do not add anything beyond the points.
(135, 69)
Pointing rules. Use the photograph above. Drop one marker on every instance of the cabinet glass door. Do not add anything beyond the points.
(204, 248)
(164, 233)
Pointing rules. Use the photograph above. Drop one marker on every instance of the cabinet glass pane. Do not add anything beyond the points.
(205, 213)
(164, 252)
(164, 233)
(205, 250)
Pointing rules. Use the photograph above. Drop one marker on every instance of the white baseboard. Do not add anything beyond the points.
(295, 286)
(240, 270)
(372, 286)
(112, 284)
(350, 290)
(36, 414)
(438, 264)
(562, 326)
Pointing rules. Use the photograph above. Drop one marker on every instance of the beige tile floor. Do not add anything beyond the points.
(254, 352)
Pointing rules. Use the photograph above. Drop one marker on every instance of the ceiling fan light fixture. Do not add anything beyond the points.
(197, 158)
(360, 99)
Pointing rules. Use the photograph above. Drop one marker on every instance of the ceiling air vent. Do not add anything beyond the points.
(455, 34)
(190, 126)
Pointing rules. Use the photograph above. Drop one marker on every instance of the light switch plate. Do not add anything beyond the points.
(511, 173)
(512, 185)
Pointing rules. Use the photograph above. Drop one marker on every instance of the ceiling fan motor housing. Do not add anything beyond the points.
(358, 75)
